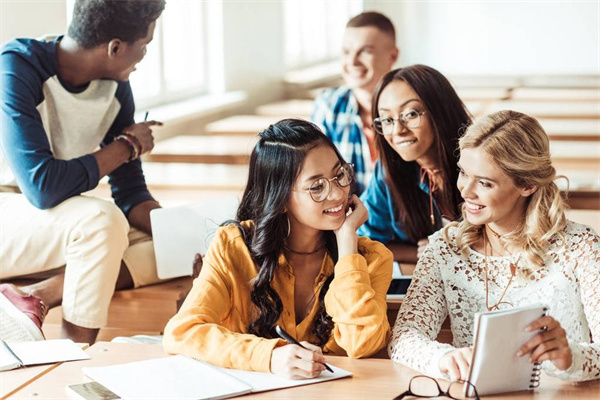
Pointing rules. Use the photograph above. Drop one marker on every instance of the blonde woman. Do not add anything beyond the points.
(513, 246)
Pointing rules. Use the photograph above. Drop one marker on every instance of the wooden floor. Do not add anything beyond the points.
(214, 164)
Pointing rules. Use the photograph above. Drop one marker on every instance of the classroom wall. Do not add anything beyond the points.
(20, 18)
(500, 37)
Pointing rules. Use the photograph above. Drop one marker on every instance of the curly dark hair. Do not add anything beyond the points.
(275, 164)
(96, 22)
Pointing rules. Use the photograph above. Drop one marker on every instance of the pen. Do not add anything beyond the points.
(146, 116)
(286, 336)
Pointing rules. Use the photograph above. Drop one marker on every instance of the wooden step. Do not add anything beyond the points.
(571, 129)
(562, 81)
(482, 94)
(287, 108)
(241, 125)
(172, 197)
(584, 155)
(204, 149)
(544, 109)
(545, 94)
(216, 177)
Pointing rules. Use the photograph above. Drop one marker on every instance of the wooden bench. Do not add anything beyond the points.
(295, 108)
(544, 109)
(204, 149)
(571, 129)
(545, 94)
(562, 81)
(576, 155)
(241, 125)
(211, 177)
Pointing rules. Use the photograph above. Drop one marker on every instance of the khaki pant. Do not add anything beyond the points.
(88, 236)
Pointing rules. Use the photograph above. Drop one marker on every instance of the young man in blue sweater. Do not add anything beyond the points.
(66, 122)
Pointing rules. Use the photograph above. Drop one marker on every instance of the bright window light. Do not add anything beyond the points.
(313, 29)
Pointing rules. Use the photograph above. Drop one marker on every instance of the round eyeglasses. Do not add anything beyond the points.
(319, 190)
(425, 386)
(410, 119)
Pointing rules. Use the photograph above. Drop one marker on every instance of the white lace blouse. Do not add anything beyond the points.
(445, 283)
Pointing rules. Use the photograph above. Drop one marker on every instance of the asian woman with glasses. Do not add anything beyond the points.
(291, 258)
(419, 118)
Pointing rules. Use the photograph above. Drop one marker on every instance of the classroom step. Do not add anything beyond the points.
(544, 109)
(216, 177)
(241, 125)
(295, 108)
(546, 94)
(562, 81)
(571, 129)
(234, 149)
(572, 155)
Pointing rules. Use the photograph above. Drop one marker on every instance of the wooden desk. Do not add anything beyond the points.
(372, 378)
(482, 94)
(544, 109)
(291, 108)
(543, 94)
(216, 177)
(582, 155)
(571, 129)
(241, 125)
(562, 81)
(203, 149)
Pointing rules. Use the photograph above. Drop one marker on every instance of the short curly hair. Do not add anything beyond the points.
(96, 22)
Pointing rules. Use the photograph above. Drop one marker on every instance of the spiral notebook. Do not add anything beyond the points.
(498, 335)
(179, 377)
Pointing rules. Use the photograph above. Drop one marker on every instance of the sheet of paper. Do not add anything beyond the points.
(175, 377)
(262, 381)
(48, 351)
(7, 360)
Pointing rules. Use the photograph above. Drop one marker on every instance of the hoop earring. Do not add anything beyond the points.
(288, 224)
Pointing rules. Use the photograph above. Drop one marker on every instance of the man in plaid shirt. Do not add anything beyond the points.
(344, 113)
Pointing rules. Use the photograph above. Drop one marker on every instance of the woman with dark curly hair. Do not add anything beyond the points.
(291, 258)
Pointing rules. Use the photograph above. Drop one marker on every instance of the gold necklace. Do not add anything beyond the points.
(304, 253)
(431, 181)
(512, 267)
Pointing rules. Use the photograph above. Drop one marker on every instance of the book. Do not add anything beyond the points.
(19, 354)
(498, 335)
(90, 391)
(180, 377)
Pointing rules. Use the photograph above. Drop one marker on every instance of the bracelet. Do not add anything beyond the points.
(134, 150)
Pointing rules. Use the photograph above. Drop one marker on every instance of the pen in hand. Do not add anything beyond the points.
(146, 116)
(286, 336)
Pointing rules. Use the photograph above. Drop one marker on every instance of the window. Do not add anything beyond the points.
(313, 29)
(175, 66)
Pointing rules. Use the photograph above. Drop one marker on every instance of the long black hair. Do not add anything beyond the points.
(449, 118)
(275, 164)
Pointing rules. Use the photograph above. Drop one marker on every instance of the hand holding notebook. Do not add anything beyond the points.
(498, 336)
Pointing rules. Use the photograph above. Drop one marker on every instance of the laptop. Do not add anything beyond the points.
(181, 232)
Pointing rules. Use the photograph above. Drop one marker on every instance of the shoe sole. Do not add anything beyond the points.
(15, 325)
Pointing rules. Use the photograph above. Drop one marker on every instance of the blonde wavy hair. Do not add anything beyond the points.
(520, 147)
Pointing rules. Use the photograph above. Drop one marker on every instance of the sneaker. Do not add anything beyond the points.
(21, 315)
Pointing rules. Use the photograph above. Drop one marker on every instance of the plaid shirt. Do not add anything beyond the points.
(336, 112)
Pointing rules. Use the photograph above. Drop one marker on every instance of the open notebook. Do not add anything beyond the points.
(19, 354)
(180, 377)
(498, 335)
